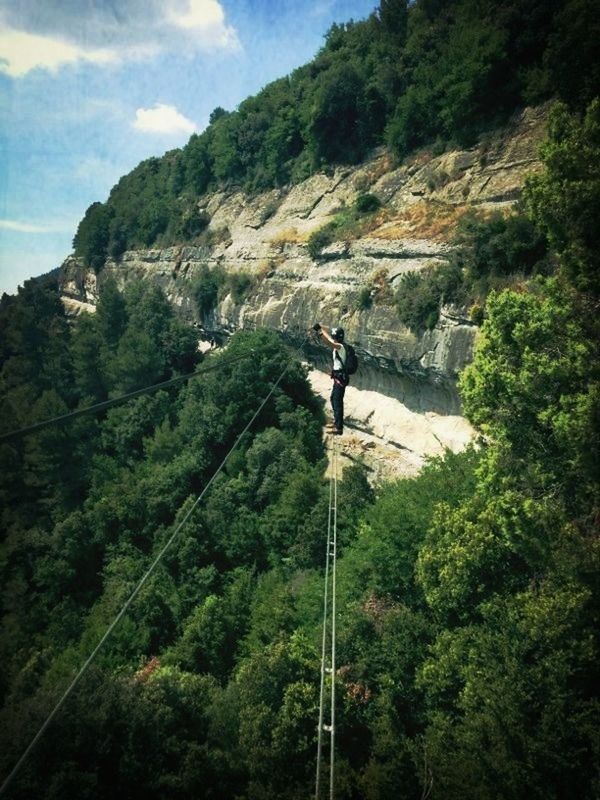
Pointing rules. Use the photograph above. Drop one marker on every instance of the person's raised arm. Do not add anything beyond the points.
(324, 331)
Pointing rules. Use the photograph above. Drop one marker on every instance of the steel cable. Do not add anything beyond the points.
(78, 412)
(330, 574)
(141, 583)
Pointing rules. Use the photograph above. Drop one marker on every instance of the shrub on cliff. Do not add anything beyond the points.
(212, 285)
(497, 247)
(366, 203)
(491, 253)
(349, 223)
(320, 239)
(93, 235)
(364, 299)
(206, 288)
(193, 222)
(420, 295)
(239, 284)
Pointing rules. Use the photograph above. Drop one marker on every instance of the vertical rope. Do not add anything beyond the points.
(333, 612)
(324, 642)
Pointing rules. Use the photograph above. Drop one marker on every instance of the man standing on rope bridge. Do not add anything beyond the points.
(335, 340)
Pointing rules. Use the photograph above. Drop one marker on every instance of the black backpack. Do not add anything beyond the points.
(351, 364)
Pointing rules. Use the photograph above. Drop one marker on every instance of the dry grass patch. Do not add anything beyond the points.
(382, 291)
(377, 291)
(286, 236)
(357, 228)
(215, 236)
(268, 266)
(423, 220)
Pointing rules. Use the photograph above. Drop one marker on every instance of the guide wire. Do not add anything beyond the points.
(141, 583)
(324, 639)
(78, 412)
(330, 568)
(333, 613)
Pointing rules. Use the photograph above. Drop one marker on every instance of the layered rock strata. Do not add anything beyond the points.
(352, 282)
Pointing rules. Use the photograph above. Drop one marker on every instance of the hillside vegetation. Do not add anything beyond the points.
(438, 72)
(468, 596)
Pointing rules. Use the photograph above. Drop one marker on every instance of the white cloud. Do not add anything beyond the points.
(206, 19)
(200, 14)
(162, 119)
(21, 52)
(57, 33)
(35, 227)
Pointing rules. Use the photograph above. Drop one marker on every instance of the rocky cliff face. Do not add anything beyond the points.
(266, 238)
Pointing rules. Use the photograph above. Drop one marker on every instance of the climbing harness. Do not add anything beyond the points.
(329, 621)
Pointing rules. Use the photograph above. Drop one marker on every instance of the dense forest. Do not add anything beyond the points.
(468, 596)
(430, 72)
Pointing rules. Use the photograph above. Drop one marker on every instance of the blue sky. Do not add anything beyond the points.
(89, 88)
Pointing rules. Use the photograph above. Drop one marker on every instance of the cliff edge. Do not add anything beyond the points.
(265, 238)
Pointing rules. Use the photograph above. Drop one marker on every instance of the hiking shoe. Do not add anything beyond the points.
(336, 432)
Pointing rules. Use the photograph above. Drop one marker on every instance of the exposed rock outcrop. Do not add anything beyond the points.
(266, 237)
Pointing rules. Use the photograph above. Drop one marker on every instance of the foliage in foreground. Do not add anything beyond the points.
(468, 596)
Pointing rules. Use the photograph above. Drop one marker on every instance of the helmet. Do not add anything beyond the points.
(337, 334)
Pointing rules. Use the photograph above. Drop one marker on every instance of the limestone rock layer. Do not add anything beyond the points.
(266, 237)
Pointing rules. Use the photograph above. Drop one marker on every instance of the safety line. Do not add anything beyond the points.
(324, 641)
(330, 574)
(5, 437)
(333, 613)
(135, 592)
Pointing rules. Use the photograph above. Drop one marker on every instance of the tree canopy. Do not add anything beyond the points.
(408, 75)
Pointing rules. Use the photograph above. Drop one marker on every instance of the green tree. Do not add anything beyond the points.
(394, 18)
(277, 712)
(212, 633)
(222, 144)
(570, 53)
(111, 314)
(86, 347)
(93, 233)
(197, 161)
(136, 363)
(336, 127)
(535, 364)
(564, 200)
(504, 710)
